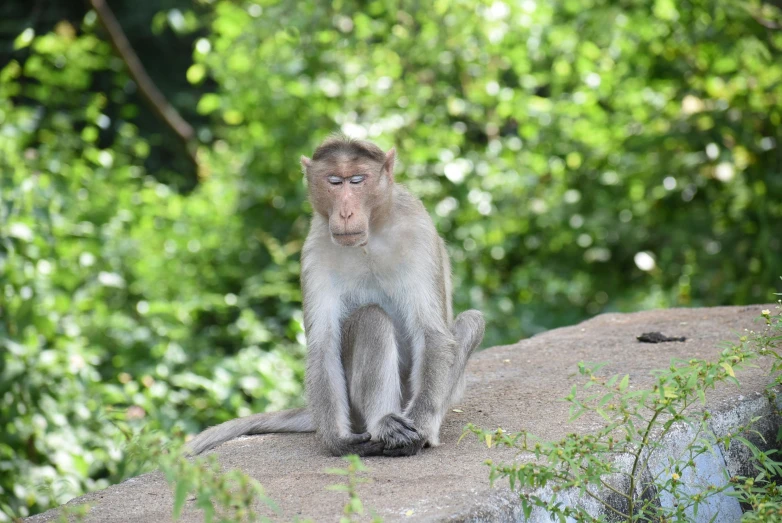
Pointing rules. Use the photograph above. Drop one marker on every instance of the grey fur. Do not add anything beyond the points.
(399, 288)
(385, 358)
(294, 420)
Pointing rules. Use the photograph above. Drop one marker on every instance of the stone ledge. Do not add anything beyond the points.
(514, 387)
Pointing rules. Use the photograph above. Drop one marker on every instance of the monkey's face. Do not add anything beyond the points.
(352, 193)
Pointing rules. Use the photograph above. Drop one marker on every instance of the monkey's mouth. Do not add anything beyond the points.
(349, 239)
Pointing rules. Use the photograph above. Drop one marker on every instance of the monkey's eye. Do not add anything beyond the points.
(357, 179)
(335, 180)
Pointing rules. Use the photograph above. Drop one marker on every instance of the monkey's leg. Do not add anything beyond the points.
(371, 361)
(443, 380)
(467, 330)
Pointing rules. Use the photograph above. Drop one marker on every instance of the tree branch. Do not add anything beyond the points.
(149, 91)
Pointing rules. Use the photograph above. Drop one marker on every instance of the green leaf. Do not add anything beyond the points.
(605, 399)
(180, 495)
(196, 73)
(24, 38)
(339, 472)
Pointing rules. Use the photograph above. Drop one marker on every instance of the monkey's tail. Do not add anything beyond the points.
(294, 420)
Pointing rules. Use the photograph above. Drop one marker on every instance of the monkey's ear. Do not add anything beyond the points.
(305, 163)
(388, 166)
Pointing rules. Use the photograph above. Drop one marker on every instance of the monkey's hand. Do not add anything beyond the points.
(360, 444)
(399, 436)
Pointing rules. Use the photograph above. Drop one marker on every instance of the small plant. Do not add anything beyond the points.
(73, 513)
(354, 507)
(618, 466)
(225, 497)
(763, 493)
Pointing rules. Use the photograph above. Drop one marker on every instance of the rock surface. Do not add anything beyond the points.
(514, 387)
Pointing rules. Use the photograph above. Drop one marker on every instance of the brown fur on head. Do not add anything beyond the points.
(350, 184)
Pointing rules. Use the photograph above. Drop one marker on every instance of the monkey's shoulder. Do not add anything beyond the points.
(406, 203)
(416, 217)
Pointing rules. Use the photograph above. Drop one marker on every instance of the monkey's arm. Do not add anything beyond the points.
(325, 379)
(434, 370)
(427, 407)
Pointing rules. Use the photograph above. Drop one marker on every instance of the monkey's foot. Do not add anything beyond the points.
(360, 444)
(399, 436)
(406, 450)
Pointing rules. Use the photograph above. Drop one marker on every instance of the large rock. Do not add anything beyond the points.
(514, 387)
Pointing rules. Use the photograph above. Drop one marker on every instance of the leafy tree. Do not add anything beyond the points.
(578, 157)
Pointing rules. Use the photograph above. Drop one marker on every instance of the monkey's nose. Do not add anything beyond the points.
(345, 214)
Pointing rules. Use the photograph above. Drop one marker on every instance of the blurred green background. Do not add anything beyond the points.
(579, 156)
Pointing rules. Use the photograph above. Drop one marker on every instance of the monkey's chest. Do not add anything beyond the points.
(389, 294)
(370, 290)
(383, 275)
(379, 268)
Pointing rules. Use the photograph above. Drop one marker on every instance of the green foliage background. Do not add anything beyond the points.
(579, 156)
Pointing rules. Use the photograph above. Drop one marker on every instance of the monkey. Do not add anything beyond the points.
(385, 356)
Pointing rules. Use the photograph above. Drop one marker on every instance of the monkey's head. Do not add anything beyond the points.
(350, 184)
